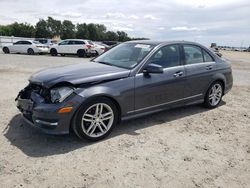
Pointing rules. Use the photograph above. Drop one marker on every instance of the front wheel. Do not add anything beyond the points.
(96, 119)
(6, 50)
(81, 53)
(214, 95)
(30, 51)
(53, 52)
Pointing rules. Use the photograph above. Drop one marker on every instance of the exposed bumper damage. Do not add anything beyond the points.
(33, 102)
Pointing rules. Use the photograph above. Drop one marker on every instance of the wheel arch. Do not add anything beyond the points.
(94, 97)
(52, 49)
(221, 79)
(7, 48)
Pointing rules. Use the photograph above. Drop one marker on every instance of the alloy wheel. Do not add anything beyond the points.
(97, 120)
(215, 94)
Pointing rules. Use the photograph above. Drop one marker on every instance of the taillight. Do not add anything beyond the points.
(88, 46)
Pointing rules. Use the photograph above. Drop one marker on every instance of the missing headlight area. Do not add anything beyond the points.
(40, 94)
(35, 93)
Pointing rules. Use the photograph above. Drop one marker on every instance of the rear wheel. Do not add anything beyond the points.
(96, 119)
(30, 51)
(214, 95)
(81, 53)
(6, 50)
(53, 52)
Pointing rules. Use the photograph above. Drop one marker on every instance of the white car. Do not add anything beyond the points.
(79, 47)
(99, 48)
(26, 47)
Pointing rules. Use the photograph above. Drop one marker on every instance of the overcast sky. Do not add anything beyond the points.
(226, 22)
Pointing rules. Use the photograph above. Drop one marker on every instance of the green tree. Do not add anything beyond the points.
(19, 30)
(82, 31)
(122, 36)
(5, 30)
(111, 36)
(54, 26)
(42, 30)
(93, 33)
(67, 30)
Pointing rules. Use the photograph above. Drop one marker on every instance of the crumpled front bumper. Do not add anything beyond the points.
(45, 117)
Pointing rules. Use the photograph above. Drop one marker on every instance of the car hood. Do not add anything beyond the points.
(78, 74)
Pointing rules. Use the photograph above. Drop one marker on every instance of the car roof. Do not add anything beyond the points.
(155, 42)
(76, 39)
(25, 40)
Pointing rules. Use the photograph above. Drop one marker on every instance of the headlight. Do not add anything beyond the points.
(60, 93)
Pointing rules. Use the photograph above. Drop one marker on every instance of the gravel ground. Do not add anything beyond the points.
(184, 147)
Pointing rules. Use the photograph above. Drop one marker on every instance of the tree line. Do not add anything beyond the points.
(51, 27)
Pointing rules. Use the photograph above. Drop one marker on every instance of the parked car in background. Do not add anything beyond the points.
(216, 51)
(82, 48)
(102, 45)
(26, 47)
(47, 42)
(99, 48)
(130, 80)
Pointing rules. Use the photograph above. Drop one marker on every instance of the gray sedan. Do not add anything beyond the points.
(133, 79)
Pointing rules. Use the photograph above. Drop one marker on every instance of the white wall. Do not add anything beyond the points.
(8, 40)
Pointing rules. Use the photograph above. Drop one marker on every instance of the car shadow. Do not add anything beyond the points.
(36, 144)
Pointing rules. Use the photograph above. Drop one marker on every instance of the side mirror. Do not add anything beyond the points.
(153, 68)
(218, 54)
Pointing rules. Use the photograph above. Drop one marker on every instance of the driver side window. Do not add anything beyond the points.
(64, 43)
(167, 56)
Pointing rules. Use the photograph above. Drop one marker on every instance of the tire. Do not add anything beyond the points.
(95, 119)
(81, 53)
(6, 50)
(62, 55)
(214, 95)
(53, 52)
(30, 51)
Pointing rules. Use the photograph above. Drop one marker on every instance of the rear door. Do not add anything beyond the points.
(158, 90)
(25, 46)
(76, 45)
(199, 67)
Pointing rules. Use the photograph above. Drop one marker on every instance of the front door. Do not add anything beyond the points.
(155, 90)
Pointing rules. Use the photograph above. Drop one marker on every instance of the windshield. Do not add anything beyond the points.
(126, 55)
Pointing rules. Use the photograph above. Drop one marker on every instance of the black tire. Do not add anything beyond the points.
(6, 50)
(30, 51)
(77, 121)
(81, 53)
(53, 52)
(208, 101)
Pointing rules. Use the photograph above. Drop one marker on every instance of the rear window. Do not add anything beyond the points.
(207, 57)
(90, 42)
(43, 41)
(193, 54)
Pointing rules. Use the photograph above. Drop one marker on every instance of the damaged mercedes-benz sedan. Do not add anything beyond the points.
(130, 80)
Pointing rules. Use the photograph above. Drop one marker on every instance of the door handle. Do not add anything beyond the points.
(209, 67)
(178, 74)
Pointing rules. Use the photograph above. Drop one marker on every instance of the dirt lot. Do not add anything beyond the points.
(185, 147)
